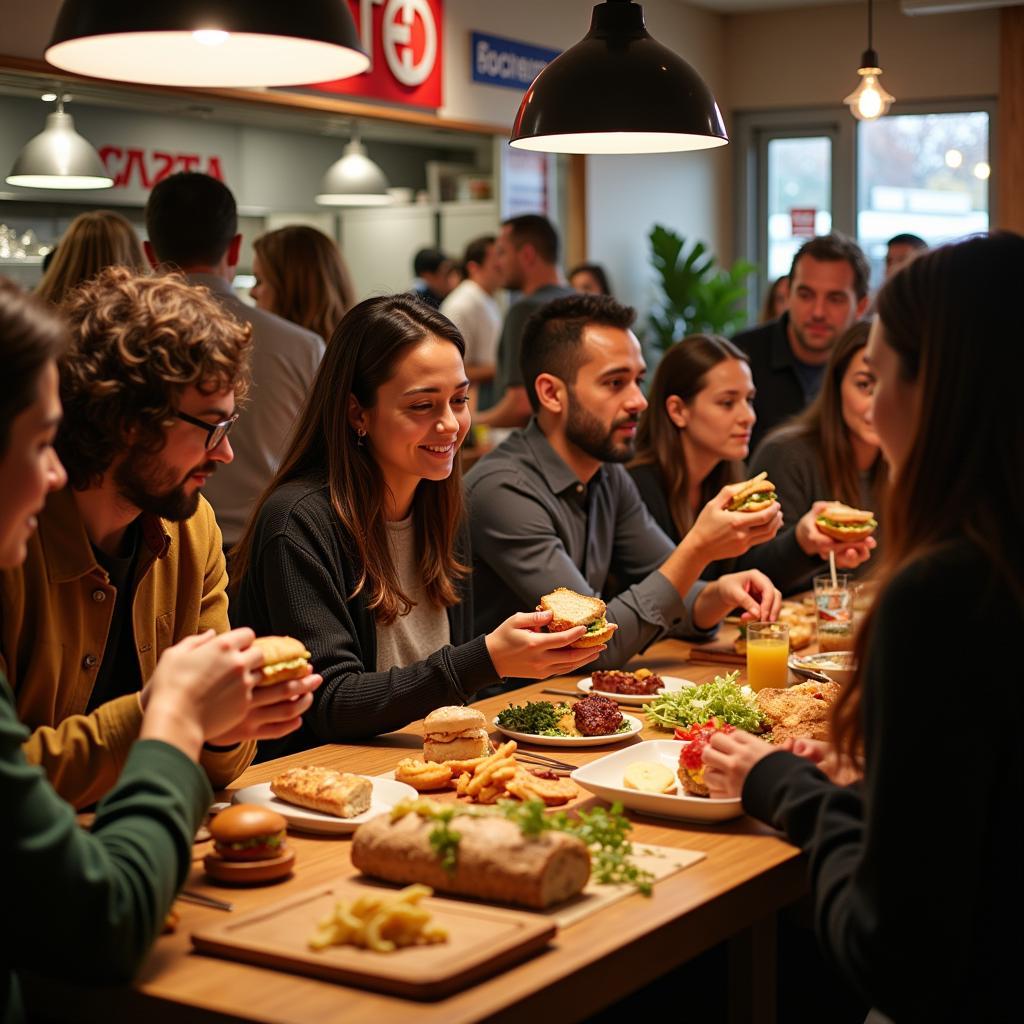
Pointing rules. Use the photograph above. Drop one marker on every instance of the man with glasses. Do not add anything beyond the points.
(127, 559)
(192, 223)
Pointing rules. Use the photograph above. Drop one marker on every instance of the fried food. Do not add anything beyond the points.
(499, 777)
(799, 712)
(324, 789)
(554, 792)
(423, 775)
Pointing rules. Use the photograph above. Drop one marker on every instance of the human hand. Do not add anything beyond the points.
(749, 590)
(719, 533)
(825, 756)
(812, 541)
(728, 758)
(274, 711)
(519, 648)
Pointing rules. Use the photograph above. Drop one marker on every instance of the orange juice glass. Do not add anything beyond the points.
(767, 655)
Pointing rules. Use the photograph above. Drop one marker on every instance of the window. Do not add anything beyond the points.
(799, 196)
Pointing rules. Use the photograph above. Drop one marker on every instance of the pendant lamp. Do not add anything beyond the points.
(618, 90)
(58, 157)
(354, 180)
(208, 43)
(869, 101)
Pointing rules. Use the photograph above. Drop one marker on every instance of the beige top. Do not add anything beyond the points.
(425, 629)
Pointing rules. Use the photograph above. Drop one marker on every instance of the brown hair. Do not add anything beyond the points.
(92, 241)
(536, 230)
(362, 354)
(768, 306)
(136, 344)
(308, 275)
(683, 372)
(953, 346)
(835, 248)
(30, 336)
(822, 424)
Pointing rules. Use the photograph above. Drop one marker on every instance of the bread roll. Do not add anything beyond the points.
(495, 861)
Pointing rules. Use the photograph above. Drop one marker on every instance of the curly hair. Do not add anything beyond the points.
(136, 344)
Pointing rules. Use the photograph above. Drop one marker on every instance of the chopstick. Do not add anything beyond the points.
(547, 762)
(204, 901)
(564, 693)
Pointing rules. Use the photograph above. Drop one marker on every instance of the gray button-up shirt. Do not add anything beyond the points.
(535, 527)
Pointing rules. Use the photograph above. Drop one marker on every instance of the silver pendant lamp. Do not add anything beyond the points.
(354, 180)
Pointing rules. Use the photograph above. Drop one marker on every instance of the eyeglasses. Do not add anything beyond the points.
(215, 432)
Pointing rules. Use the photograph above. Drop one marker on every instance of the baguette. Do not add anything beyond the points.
(495, 860)
(324, 789)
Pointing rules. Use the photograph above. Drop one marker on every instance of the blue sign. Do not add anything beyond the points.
(507, 62)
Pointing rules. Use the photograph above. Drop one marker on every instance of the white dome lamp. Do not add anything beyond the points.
(354, 180)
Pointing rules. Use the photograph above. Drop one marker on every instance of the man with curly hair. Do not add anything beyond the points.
(128, 558)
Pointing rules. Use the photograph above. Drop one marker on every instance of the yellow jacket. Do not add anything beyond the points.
(55, 612)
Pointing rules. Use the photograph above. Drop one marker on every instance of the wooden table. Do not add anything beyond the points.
(733, 894)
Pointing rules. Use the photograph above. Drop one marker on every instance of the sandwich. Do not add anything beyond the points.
(841, 522)
(455, 734)
(691, 758)
(753, 495)
(249, 845)
(327, 790)
(284, 658)
(570, 609)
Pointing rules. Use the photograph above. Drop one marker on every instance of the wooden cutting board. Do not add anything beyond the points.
(482, 941)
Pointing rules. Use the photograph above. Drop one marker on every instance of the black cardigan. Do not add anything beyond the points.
(298, 582)
(915, 873)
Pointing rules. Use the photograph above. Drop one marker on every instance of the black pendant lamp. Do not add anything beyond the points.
(208, 43)
(618, 91)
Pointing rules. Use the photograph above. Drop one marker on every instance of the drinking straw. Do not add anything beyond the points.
(832, 569)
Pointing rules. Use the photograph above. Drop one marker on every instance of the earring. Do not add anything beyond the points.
(361, 437)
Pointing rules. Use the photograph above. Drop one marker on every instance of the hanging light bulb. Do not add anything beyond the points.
(869, 100)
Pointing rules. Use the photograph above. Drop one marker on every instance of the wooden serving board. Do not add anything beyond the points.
(482, 940)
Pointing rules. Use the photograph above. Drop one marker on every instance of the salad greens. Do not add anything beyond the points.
(541, 718)
(721, 699)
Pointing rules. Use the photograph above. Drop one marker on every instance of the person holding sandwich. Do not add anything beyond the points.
(693, 439)
(359, 547)
(88, 904)
(553, 506)
(936, 812)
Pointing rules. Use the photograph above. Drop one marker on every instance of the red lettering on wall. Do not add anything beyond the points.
(145, 168)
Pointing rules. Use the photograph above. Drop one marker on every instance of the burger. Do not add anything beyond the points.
(249, 845)
(284, 658)
(753, 495)
(455, 734)
(840, 522)
(570, 609)
(691, 757)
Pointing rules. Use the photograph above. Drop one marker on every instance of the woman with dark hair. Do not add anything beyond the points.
(776, 300)
(89, 904)
(359, 546)
(916, 871)
(830, 452)
(590, 278)
(691, 444)
(302, 276)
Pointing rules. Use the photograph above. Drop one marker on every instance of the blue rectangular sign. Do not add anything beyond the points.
(507, 62)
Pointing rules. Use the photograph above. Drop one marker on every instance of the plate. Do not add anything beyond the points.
(799, 663)
(672, 684)
(603, 778)
(386, 793)
(635, 725)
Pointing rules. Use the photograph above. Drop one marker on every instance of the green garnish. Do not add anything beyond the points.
(852, 527)
(538, 717)
(597, 625)
(721, 699)
(444, 839)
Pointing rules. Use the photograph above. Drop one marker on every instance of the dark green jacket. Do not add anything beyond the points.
(88, 905)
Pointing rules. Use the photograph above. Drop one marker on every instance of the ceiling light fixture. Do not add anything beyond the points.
(354, 180)
(618, 90)
(869, 101)
(208, 43)
(58, 157)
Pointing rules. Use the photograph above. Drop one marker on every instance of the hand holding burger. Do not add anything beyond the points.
(817, 536)
(736, 519)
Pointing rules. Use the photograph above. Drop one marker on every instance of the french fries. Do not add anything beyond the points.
(500, 777)
(381, 922)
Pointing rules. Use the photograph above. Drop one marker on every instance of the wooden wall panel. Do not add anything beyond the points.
(1009, 168)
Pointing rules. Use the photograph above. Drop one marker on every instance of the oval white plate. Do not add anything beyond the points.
(603, 778)
(635, 725)
(672, 684)
(386, 793)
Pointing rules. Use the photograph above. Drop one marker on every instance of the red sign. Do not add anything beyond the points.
(801, 221)
(151, 166)
(404, 41)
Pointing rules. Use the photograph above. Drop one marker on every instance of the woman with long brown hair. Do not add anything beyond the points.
(916, 871)
(692, 442)
(92, 242)
(302, 276)
(359, 546)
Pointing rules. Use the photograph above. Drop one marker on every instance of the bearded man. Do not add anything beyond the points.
(128, 558)
(553, 506)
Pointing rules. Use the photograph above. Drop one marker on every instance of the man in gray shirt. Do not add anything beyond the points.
(553, 506)
(192, 224)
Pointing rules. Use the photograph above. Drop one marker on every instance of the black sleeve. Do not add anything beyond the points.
(782, 560)
(652, 490)
(789, 463)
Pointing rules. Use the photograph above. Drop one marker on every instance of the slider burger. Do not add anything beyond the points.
(284, 658)
(691, 758)
(248, 846)
(570, 609)
(455, 734)
(753, 495)
(841, 522)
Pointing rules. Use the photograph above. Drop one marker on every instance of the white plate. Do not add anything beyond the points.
(635, 725)
(386, 793)
(672, 685)
(820, 663)
(603, 778)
